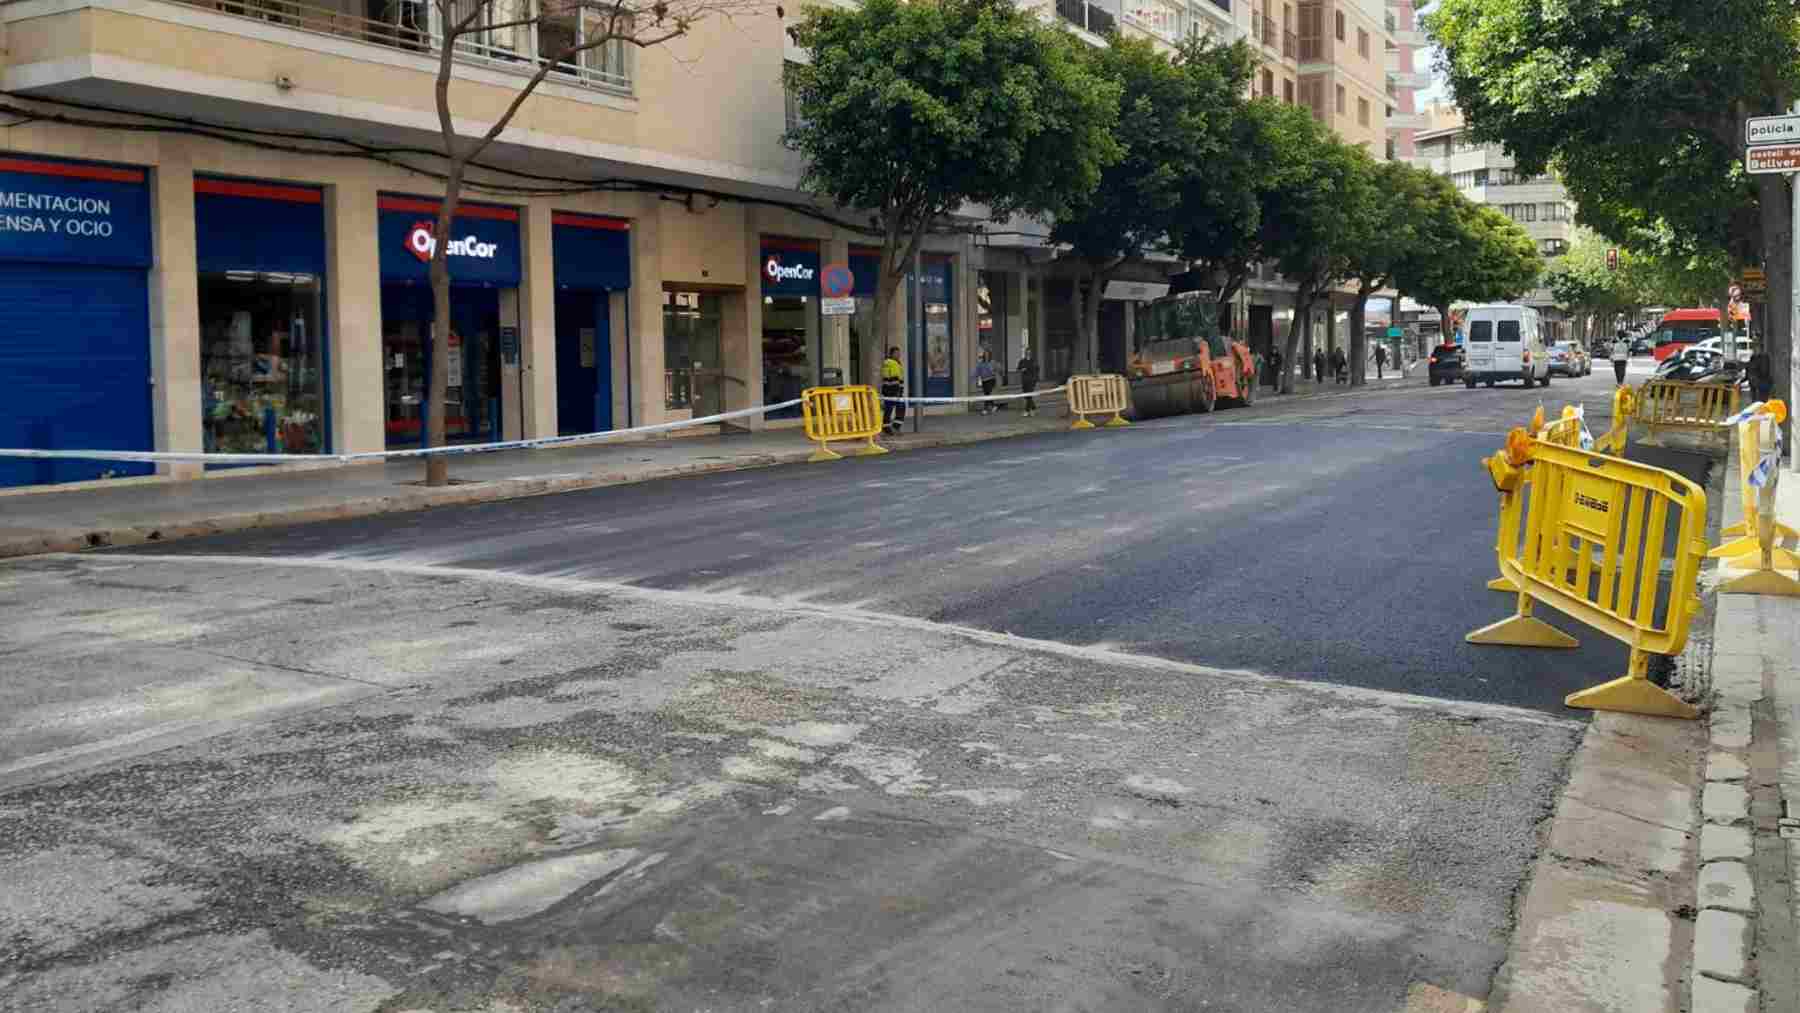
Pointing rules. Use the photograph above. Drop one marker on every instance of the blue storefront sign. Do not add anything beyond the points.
(484, 242)
(73, 213)
(790, 267)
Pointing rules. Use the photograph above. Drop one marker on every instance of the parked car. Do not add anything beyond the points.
(1446, 365)
(1641, 346)
(1568, 358)
(1506, 342)
(1746, 347)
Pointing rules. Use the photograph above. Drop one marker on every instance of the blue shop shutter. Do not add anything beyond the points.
(591, 252)
(75, 361)
(241, 226)
(867, 269)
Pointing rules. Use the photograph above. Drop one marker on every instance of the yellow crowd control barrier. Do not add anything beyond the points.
(1592, 543)
(1760, 534)
(1565, 431)
(1101, 394)
(1624, 406)
(841, 413)
(1680, 404)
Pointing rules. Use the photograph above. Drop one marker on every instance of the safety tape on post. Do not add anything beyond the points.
(973, 400)
(538, 443)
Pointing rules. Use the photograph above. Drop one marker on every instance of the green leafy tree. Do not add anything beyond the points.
(1218, 225)
(1384, 232)
(913, 111)
(1640, 107)
(1314, 191)
(1177, 118)
(1464, 252)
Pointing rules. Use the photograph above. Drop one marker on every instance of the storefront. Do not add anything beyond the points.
(263, 336)
(791, 324)
(592, 257)
(74, 315)
(484, 260)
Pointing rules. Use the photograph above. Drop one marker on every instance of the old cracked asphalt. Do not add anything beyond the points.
(1171, 718)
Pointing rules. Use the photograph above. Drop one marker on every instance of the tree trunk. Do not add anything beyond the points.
(875, 343)
(1444, 323)
(1303, 304)
(1776, 210)
(1090, 321)
(1359, 337)
(437, 466)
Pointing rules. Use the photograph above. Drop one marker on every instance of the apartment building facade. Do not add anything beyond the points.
(1485, 174)
(217, 217)
(1407, 77)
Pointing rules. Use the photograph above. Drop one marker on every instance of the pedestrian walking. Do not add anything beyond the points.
(1319, 365)
(1028, 378)
(1621, 355)
(1380, 360)
(986, 378)
(1275, 368)
(893, 385)
(1340, 365)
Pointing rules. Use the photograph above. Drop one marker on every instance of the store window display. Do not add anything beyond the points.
(261, 362)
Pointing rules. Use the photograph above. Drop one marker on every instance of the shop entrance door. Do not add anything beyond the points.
(693, 366)
(472, 394)
(583, 362)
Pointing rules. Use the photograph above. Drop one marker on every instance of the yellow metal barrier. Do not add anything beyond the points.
(1678, 404)
(1565, 431)
(1101, 394)
(1591, 543)
(1759, 534)
(1624, 406)
(841, 413)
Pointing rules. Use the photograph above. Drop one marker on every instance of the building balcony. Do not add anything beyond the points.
(1096, 18)
(1410, 80)
(326, 68)
(1410, 38)
(1406, 121)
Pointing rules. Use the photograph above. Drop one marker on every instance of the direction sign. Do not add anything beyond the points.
(1762, 130)
(1776, 158)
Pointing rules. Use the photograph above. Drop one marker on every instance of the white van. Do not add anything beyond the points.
(1505, 342)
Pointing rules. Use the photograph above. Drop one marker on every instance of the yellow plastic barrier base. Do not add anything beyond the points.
(1082, 423)
(1116, 421)
(1630, 694)
(1503, 584)
(824, 453)
(1749, 546)
(1762, 582)
(1522, 631)
(872, 450)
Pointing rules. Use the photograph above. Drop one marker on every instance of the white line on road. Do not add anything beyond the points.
(799, 606)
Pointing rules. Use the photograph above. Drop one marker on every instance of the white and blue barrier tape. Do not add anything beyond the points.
(975, 400)
(199, 457)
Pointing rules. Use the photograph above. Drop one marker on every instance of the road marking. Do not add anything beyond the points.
(797, 605)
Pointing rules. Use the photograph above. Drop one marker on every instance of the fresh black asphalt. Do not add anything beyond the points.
(1338, 539)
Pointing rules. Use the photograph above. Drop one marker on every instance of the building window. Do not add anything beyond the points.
(1391, 148)
(1362, 43)
(692, 345)
(1159, 17)
(794, 119)
(1287, 91)
(1268, 84)
(1341, 107)
(1340, 26)
(1093, 17)
(1556, 247)
(262, 377)
(1362, 111)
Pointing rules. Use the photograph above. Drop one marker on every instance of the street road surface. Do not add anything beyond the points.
(1173, 718)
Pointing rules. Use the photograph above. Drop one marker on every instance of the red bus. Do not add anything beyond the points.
(1681, 328)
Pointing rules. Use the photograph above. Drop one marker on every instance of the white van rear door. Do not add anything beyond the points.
(1481, 345)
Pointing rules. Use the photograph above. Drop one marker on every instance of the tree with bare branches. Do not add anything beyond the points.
(569, 34)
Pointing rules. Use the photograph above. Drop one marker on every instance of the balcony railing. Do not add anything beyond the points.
(1270, 36)
(1087, 16)
(1290, 45)
(412, 25)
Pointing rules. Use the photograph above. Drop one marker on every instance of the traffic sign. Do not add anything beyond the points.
(1763, 130)
(1774, 158)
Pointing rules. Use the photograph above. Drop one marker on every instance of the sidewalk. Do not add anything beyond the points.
(132, 512)
(1745, 936)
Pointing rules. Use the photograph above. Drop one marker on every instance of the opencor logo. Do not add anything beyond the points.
(777, 271)
(421, 240)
